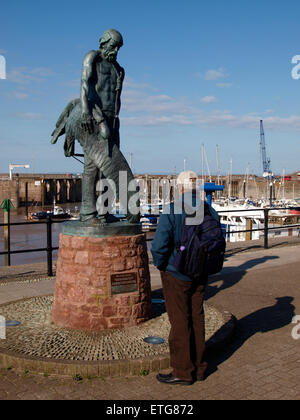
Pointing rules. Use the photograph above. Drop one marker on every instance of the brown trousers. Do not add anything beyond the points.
(184, 304)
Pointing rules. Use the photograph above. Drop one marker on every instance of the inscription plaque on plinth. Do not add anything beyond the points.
(123, 283)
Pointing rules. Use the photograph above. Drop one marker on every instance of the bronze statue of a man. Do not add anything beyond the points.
(93, 121)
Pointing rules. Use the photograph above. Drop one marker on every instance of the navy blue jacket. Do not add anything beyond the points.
(167, 238)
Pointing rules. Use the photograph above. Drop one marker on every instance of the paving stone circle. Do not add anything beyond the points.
(37, 337)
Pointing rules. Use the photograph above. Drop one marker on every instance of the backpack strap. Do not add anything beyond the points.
(192, 239)
(177, 243)
(206, 209)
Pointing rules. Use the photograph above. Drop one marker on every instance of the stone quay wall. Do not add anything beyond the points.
(9, 189)
(42, 189)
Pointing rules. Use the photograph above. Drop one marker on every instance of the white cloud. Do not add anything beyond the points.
(42, 71)
(229, 119)
(23, 75)
(20, 95)
(72, 83)
(140, 107)
(29, 116)
(139, 100)
(129, 83)
(215, 74)
(224, 85)
(209, 99)
(156, 120)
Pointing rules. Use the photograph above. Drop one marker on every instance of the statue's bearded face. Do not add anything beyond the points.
(110, 50)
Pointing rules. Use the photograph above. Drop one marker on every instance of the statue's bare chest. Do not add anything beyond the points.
(106, 76)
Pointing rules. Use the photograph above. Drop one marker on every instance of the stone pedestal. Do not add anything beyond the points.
(102, 278)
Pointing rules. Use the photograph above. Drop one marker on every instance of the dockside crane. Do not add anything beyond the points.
(266, 162)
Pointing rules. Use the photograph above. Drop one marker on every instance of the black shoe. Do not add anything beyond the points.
(110, 218)
(172, 380)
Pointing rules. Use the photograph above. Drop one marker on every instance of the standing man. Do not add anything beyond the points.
(183, 296)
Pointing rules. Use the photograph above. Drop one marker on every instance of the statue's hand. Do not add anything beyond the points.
(69, 146)
(69, 152)
(87, 123)
(104, 130)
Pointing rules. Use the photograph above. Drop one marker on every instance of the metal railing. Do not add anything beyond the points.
(50, 248)
(266, 227)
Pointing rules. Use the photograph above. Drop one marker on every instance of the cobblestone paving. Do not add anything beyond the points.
(262, 361)
(37, 336)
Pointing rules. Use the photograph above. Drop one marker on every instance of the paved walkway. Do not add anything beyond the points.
(260, 287)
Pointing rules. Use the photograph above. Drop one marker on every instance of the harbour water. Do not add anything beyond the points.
(25, 237)
(34, 236)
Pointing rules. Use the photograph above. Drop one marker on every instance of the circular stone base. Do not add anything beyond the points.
(38, 345)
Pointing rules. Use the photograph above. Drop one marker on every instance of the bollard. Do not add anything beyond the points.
(49, 246)
(26, 200)
(249, 225)
(7, 238)
(266, 228)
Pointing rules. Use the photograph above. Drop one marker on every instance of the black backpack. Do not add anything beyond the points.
(202, 248)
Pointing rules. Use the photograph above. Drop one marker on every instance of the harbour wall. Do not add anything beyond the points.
(43, 189)
(40, 189)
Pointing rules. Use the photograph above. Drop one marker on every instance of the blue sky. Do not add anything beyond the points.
(197, 72)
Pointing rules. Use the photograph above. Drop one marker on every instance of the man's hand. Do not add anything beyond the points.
(87, 123)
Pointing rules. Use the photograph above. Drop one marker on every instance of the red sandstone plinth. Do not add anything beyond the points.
(92, 275)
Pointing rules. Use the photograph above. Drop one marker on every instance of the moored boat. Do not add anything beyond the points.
(57, 213)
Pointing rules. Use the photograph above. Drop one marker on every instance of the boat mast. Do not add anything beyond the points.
(204, 157)
(218, 170)
(202, 163)
(229, 179)
(218, 165)
(246, 180)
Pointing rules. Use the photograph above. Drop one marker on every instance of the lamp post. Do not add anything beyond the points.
(12, 166)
